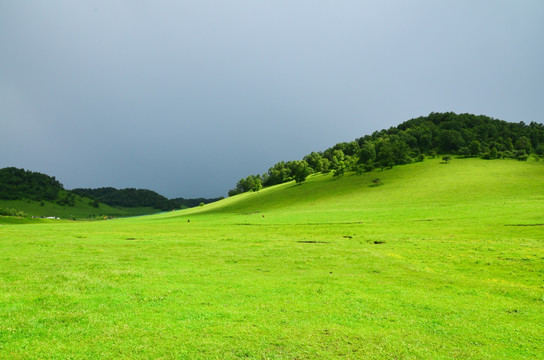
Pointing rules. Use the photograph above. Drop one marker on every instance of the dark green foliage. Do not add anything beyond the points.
(295, 170)
(446, 159)
(493, 153)
(450, 141)
(250, 183)
(340, 169)
(359, 169)
(377, 181)
(316, 161)
(521, 155)
(338, 164)
(367, 154)
(68, 199)
(234, 191)
(475, 148)
(301, 171)
(129, 197)
(277, 174)
(12, 212)
(16, 184)
(523, 143)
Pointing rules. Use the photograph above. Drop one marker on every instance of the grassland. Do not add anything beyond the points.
(442, 261)
(81, 209)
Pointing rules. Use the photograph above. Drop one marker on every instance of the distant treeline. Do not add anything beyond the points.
(188, 203)
(17, 184)
(439, 133)
(129, 197)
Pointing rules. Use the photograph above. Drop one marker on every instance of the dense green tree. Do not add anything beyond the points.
(367, 154)
(302, 170)
(338, 165)
(464, 151)
(475, 148)
(523, 143)
(19, 183)
(234, 191)
(250, 183)
(385, 157)
(450, 141)
(493, 153)
(324, 166)
(339, 168)
(129, 197)
(314, 161)
(401, 151)
(277, 174)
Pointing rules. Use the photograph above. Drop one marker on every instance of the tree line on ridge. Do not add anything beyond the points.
(465, 135)
(17, 184)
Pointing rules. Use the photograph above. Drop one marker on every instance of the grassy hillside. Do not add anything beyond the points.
(486, 191)
(442, 261)
(81, 209)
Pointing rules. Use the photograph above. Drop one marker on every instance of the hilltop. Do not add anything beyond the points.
(413, 141)
(464, 135)
(28, 193)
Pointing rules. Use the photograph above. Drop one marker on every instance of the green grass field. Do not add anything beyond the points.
(81, 209)
(442, 261)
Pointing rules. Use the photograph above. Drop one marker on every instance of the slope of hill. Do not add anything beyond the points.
(465, 187)
(441, 261)
(183, 203)
(19, 183)
(465, 135)
(82, 208)
(128, 197)
(36, 194)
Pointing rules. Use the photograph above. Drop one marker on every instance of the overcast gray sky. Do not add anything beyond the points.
(187, 97)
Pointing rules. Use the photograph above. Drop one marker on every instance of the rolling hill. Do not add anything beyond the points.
(482, 190)
(439, 261)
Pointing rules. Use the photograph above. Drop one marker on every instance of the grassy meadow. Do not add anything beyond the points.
(81, 209)
(441, 261)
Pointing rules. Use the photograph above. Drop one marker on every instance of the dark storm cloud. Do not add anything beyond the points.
(187, 97)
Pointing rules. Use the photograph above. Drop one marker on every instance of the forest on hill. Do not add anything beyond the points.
(465, 135)
(129, 197)
(18, 184)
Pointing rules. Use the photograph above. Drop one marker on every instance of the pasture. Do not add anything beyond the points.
(441, 261)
